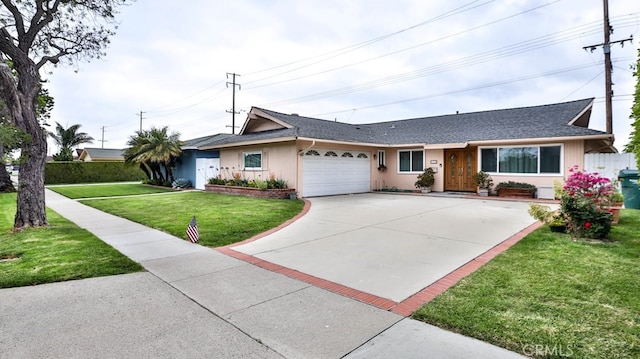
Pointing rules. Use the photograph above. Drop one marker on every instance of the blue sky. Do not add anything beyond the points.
(355, 61)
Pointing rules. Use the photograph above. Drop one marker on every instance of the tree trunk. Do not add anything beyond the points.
(6, 184)
(31, 202)
(21, 102)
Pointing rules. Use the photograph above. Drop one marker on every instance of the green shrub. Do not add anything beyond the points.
(90, 172)
(518, 185)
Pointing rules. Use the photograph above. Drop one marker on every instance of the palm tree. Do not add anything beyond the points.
(154, 149)
(67, 139)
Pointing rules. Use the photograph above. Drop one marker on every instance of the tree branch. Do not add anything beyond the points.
(40, 19)
(17, 16)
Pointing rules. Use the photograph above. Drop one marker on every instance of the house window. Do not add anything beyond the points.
(252, 160)
(347, 154)
(522, 160)
(381, 159)
(362, 155)
(331, 154)
(411, 161)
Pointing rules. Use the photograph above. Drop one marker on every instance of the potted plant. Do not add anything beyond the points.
(382, 168)
(426, 180)
(615, 201)
(516, 189)
(484, 182)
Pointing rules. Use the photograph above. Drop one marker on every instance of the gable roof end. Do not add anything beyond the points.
(259, 120)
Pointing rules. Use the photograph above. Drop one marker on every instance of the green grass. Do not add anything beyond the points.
(106, 190)
(53, 254)
(222, 219)
(570, 299)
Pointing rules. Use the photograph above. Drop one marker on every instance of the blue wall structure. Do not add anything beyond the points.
(186, 163)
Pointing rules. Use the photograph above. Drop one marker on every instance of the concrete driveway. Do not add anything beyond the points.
(391, 246)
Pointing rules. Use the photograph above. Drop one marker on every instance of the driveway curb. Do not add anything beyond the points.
(405, 307)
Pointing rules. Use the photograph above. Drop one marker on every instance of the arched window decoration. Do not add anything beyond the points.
(312, 153)
(362, 155)
(347, 154)
(331, 154)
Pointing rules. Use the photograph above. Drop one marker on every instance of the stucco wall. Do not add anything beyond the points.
(277, 159)
(405, 181)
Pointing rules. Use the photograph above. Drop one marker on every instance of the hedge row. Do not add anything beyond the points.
(90, 172)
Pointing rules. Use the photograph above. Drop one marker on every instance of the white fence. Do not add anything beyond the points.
(609, 164)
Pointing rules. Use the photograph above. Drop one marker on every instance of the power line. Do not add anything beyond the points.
(141, 118)
(488, 85)
(402, 50)
(102, 140)
(606, 47)
(348, 49)
(233, 100)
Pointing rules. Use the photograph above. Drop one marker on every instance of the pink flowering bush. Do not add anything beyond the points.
(584, 203)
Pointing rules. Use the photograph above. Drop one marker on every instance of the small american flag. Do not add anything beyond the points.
(192, 230)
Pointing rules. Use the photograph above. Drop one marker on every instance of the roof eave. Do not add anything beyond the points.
(578, 116)
(446, 145)
(248, 143)
(256, 112)
(544, 139)
(360, 143)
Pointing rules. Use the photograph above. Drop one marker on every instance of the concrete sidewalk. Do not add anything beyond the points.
(197, 302)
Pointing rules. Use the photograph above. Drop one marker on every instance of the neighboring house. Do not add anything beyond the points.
(535, 144)
(198, 165)
(101, 154)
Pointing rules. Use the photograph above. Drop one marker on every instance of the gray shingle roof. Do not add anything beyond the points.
(105, 153)
(205, 140)
(546, 121)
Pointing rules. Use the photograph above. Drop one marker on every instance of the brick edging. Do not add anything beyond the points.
(305, 210)
(411, 304)
(405, 307)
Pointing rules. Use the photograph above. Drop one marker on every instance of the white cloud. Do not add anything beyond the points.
(169, 59)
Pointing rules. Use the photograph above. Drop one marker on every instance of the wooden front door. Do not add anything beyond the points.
(460, 165)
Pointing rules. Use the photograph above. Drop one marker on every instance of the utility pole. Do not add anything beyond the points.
(608, 69)
(141, 118)
(103, 140)
(233, 101)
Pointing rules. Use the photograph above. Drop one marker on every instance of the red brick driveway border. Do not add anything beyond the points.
(405, 307)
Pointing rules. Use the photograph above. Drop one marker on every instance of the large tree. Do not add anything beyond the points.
(35, 33)
(634, 139)
(154, 150)
(11, 137)
(67, 139)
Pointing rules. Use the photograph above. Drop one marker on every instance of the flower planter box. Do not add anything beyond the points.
(285, 193)
(515, 192)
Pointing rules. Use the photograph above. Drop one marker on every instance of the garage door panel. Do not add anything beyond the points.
(330, 175)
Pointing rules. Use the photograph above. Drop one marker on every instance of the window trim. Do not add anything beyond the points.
(244, 160)
(538, 174)
(411, 150)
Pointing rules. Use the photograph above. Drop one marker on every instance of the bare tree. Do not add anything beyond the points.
(33, 34)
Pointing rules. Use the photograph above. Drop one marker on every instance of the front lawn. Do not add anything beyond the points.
(106, 190)
(57, 253)
(548, 296)
(222, 219)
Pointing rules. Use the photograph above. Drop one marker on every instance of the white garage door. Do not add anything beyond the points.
(206, 168)
(328, 172)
